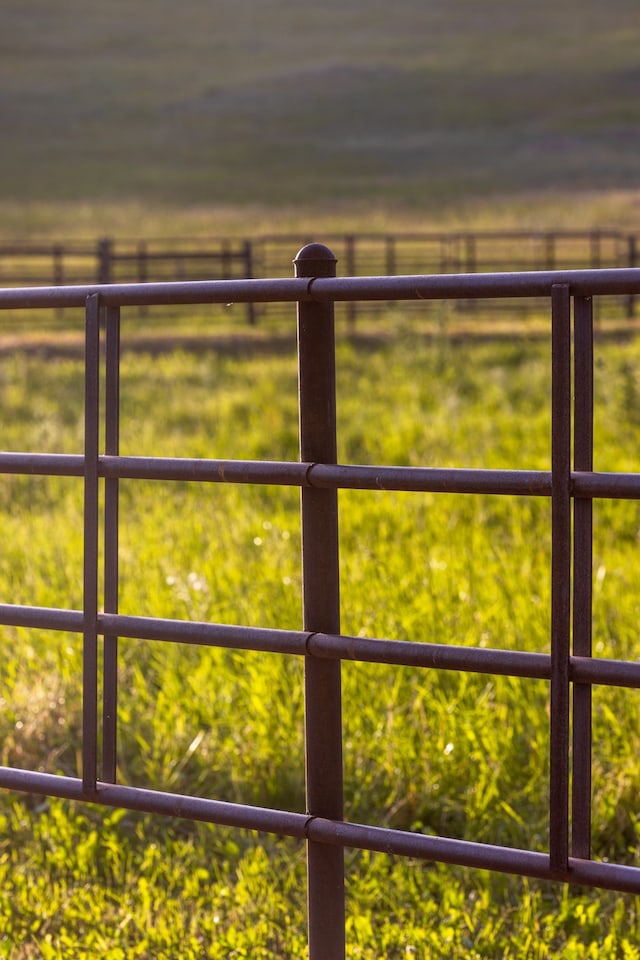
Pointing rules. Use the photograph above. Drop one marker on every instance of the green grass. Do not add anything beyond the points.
(276, 103)
(459, 755)
(86, 220)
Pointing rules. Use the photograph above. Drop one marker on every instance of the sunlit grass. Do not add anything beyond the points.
(443, 753)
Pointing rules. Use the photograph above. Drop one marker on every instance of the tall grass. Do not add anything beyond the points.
(459, 755)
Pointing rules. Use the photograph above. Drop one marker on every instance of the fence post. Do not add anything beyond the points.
(142, 263)
(390, 256)
(58, 271)
(104, 256)
(247, 255)
(91, 545)
(111, 536)
(582, 577)
(58, 265)
(561, 555)
(550, 251)
(350, 254)
(470, 254)
(632, 248)
(321, 609)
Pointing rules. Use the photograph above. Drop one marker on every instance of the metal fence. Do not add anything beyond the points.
(123, 261)
(571, 484)
(110, 260)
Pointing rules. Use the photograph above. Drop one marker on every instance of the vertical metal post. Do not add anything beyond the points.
(111, 572)
(58, 271)
(104, 257)
(390, 259)
(444, 255)
(582, 577)
(90, 563)
(142, 261)
(470, 254)
(58, 265)
(550, 251)
(350, 261)
(560, 576)
(321, 602)
(632, 261)
(390, 256)
(247, 257)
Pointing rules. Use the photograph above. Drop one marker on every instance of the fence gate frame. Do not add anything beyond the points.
(571, 484)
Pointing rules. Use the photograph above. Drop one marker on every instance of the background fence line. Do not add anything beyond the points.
(114, 260)
(569, 669)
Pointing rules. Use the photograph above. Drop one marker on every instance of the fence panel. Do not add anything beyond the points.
(111, 260)
(570, 669)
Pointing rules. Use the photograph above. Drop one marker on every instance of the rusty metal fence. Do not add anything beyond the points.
(124, 261)
(571, 485)
(112, 260)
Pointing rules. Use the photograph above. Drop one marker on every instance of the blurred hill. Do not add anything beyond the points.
(273, 101)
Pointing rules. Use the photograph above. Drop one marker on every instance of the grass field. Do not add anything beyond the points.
(235, 119)
(279, 102)
(463, 756)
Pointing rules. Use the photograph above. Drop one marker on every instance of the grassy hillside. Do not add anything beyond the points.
(282, 102)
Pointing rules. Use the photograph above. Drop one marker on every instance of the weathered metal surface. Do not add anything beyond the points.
(321, 609)
(582, 577)
(560, 575)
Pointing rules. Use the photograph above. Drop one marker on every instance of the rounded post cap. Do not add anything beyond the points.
(315, 259)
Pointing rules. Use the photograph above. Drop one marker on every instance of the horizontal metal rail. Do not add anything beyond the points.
(463, 853)
(524, 483)
(622, 281)
(406, 653)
